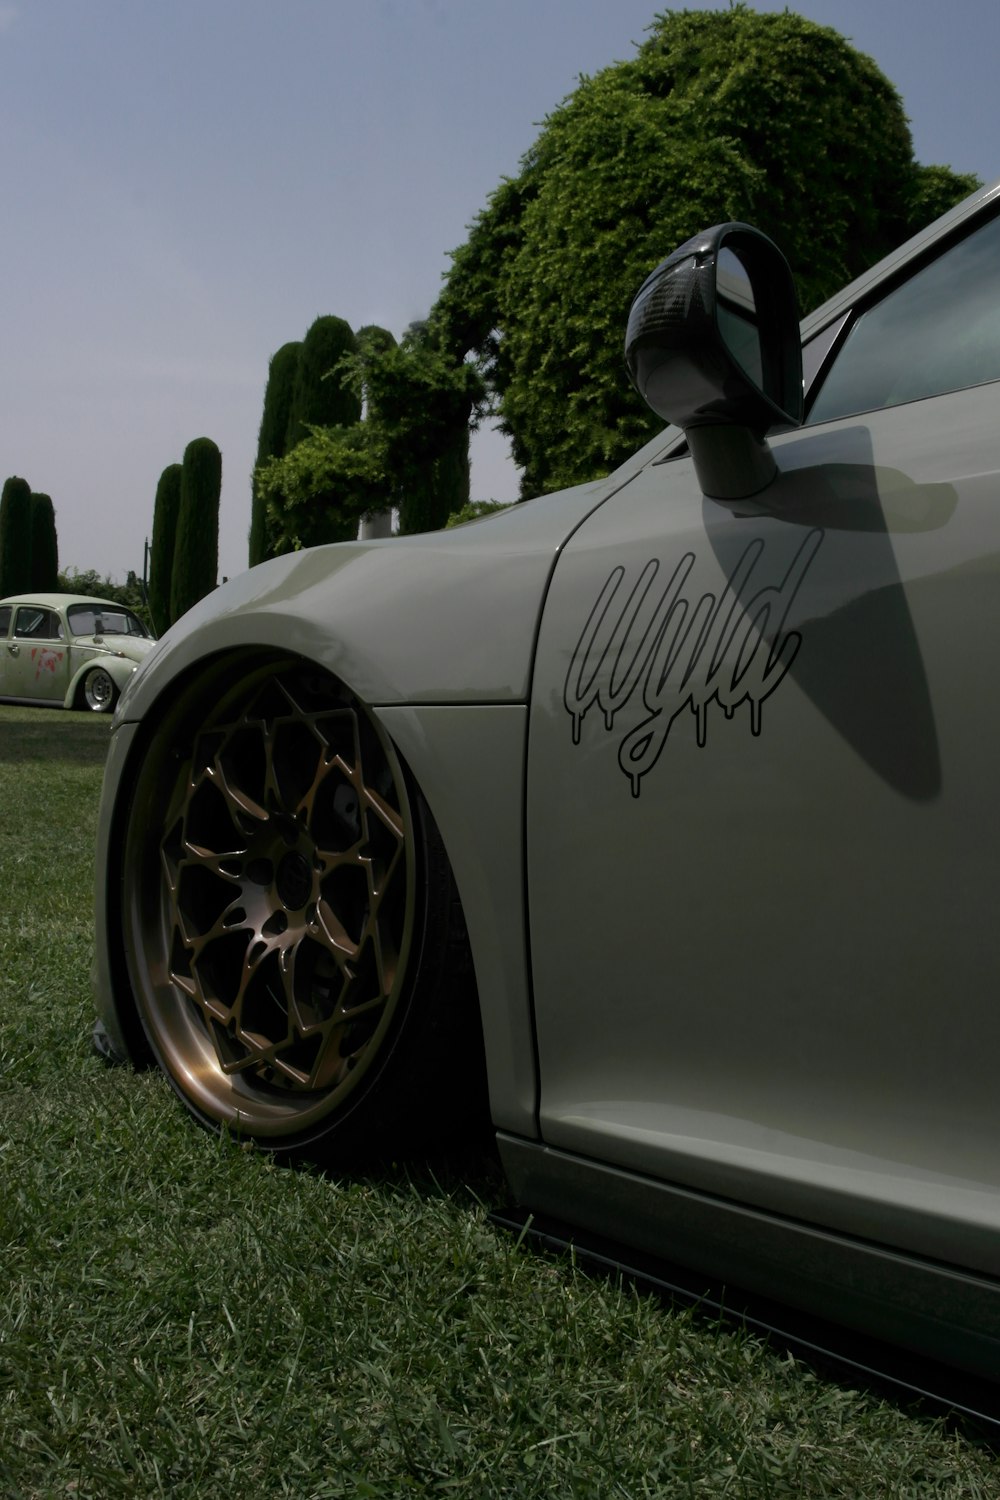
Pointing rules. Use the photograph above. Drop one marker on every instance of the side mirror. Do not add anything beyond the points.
(713, 346)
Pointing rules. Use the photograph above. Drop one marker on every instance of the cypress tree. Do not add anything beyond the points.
(196, 552)
(166, 510)
(44, 546)
(272, 437)
(451, 473)
(373, 341)
(15, 537)
(319, 397)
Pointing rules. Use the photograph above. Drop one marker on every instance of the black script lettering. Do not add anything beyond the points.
(686, 655)
(609, 637)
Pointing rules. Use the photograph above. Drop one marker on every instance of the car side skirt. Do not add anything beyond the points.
(940, 1311)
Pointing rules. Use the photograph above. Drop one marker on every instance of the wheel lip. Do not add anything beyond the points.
(98, 703)
(219, 1100)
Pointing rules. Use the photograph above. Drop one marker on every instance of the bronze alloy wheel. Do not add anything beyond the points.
(272, 920)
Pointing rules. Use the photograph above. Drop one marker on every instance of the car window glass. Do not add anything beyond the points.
(939, 331)
(34, 623)
(816, 350)
(91, 619)
(5, 614)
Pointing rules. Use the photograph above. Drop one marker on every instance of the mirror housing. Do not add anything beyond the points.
(713, 346)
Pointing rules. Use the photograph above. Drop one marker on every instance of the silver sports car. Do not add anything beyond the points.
(675, 795)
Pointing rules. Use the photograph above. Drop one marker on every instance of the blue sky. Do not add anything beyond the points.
(187, 185)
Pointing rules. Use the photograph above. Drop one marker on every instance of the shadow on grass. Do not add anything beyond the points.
(53, 735)
(456, 1171)
(465, 1166)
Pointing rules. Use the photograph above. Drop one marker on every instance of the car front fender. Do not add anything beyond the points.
(441, 617)
(119, 668)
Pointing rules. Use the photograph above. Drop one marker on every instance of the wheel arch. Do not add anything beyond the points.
(119, 669)
(467, 761)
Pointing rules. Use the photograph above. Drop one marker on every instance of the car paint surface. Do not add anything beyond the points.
(716, 783)
(798, 1031)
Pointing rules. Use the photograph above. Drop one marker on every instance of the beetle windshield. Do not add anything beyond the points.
(93, 619)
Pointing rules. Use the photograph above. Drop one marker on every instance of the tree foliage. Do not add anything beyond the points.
(196, 551)
(318, 492)
(320, 398)
(410, 450)
(44, 545)
(89, 581)
(15, 537)
(476, 510)
(273, 437)
(420, 403)
(934, 190)
(720, 115)
(166, 512)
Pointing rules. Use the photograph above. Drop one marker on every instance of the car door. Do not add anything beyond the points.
(6, 615)
(762, 801)
(38, 655)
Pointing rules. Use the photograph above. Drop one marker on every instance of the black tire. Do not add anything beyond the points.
(100, 691)
(292, 933)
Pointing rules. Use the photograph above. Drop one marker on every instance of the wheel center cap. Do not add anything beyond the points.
(294, 880)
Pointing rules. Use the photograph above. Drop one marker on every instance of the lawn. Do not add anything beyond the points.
(180, 1317)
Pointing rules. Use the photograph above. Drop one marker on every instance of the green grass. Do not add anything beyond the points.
(180, 1317)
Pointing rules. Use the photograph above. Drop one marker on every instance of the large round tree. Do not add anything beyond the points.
(720, 115)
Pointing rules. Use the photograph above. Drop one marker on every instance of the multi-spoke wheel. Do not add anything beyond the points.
(277, 917)
(99, 691)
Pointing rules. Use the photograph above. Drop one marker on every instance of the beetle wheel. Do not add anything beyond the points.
(99, 691)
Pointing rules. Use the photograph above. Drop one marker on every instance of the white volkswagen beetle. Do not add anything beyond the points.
(68, 648)
(680, 787)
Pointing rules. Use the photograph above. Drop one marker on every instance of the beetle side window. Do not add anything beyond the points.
(37, 624)
(939, 331)
(5, 614)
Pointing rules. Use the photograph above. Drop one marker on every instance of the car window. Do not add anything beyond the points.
(939, 331)
(5, 614)
(84, 619)
(32, 622)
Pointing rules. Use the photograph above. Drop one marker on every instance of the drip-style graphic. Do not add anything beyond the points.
(684, 654)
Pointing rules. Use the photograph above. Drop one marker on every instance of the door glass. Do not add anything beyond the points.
(34, 623)
(939, 331)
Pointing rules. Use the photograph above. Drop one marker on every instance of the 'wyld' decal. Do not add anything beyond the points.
(686, 655)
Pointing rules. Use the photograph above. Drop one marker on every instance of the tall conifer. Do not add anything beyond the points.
(196, 552)
(166, 511)
(44, 546)
(15, 537)
(272, 438)
(319, 397)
